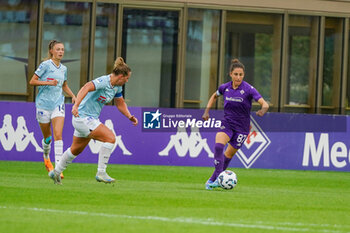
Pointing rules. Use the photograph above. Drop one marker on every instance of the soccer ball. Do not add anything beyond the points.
(227, 179)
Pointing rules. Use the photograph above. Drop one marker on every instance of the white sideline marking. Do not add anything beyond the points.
(208, 222)
(306, 224)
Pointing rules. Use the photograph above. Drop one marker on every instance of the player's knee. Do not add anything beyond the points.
(111, 139)
(229, 155)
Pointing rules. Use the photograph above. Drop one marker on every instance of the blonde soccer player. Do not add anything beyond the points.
(86, 111)
(51, 79)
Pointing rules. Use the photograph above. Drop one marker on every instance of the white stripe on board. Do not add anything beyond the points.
(208, 222)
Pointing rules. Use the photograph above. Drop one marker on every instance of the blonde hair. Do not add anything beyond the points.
(235, 63)
(120, 67)
(52, 44)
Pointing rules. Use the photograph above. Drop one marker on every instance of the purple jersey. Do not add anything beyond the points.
(237, 105)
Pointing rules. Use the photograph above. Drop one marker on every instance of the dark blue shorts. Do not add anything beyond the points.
(236, 139)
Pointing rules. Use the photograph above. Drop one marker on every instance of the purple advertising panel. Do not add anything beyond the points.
(179, 137)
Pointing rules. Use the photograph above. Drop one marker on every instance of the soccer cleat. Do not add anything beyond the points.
(48, 164)
(62, 176)
(55, 177)
(209, 185)
(104, 177)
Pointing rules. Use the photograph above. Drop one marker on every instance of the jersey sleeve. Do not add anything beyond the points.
(119, 93)
(101, 82)
(255, 94)
(220, 90)
(65, 74)
(41, 69)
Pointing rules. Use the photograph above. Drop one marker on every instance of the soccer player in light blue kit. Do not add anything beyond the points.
(51, 77)
(86, 110)
(238, 96)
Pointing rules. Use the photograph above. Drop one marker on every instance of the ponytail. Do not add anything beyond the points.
(120, 67)
(235, 63)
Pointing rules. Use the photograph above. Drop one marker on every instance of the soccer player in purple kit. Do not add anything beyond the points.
(238, 96)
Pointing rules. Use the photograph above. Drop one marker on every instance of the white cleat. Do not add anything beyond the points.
(55, 177)
(104, 177)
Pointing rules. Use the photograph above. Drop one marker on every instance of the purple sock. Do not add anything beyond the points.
(218, 160)
(226, 162)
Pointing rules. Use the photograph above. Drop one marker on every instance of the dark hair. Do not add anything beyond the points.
(235, 63)
(120, 67)
(52, 44)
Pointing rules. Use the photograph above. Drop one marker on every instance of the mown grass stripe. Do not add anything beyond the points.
(208, 222)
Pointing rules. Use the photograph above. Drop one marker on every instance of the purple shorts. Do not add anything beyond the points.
(236, 139)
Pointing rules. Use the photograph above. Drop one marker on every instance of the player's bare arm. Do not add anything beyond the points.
(36, 82)
(209, 105)
(264, 107)
(123, 108)
(81, 95)
(68, 91)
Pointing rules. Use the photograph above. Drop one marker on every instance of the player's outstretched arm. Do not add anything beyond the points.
(123, 108)
(264, 107)
(209, 105)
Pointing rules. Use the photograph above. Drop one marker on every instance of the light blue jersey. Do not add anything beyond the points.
(50, 97)
(93, 102)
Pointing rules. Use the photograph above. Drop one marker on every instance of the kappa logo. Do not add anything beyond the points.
(18, 137)
(95, 145)
(183, 143)
(254, 146)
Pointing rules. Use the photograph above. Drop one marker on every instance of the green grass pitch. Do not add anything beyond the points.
(171, 199)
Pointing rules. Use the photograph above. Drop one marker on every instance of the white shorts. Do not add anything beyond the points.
(84, 126)
(44, 116)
